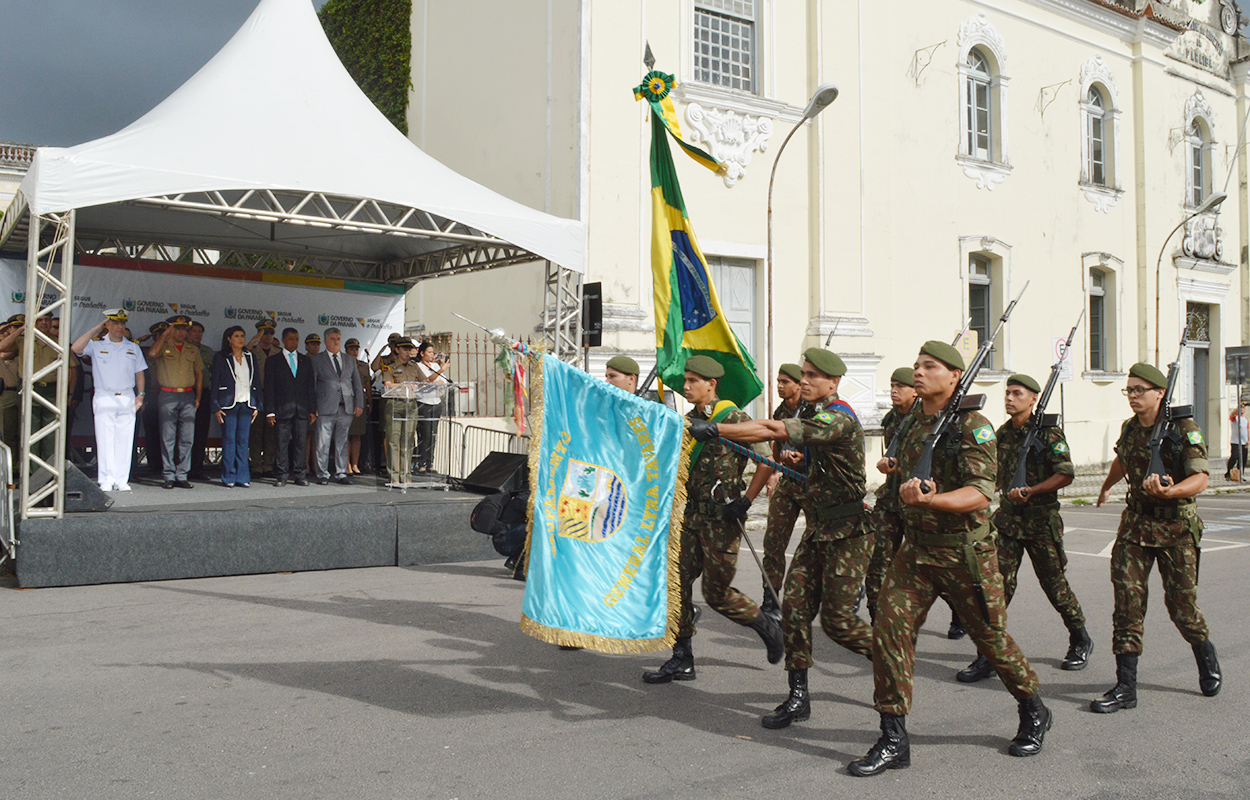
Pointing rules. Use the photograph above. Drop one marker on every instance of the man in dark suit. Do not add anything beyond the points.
(339, 398)
(290, 400)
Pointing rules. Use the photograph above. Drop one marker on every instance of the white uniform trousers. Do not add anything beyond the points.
(114, 436)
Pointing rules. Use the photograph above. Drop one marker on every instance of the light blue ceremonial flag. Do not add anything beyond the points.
(606, 475)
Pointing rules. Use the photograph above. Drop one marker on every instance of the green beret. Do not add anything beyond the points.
(1149, 374)
(826, 362)
(945, 353)
(903, 375)
(1020, 379)
(705, 367)
(624, 365)
(793, 371)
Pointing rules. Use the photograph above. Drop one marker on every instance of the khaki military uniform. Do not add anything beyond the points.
(948, 555)
(783, 507)
(401, 434)
(10, 404)
(45, 387)
(176, 370)
(1153, 530)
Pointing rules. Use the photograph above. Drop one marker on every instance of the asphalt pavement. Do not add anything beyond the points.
(418, 683)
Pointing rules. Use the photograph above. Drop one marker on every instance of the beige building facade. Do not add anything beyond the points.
(976, 145)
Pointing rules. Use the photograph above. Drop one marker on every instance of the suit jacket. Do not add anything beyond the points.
(222, 385)
(332, 389)
(288, 395)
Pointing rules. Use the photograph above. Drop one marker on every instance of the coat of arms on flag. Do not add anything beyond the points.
(592, 503)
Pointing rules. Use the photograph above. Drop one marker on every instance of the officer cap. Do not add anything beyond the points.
(351, 343)
(792, 371)
(265, 325)
(157, 327)
(115, 314)
(624, 365)
(903, 375)
(179, 319)
(312, 337)
(402, 341)
(1149, 374)
(394, 337)
(945, 353)
(826, 362)
(705, 367)
(1020, 379)
(16, 319)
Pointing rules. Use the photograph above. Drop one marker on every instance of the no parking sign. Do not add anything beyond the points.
(1060, 352)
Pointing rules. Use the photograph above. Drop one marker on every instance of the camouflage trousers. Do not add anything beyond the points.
(783, 512)
(1130, 574)
(1042, 539)
(915, 579)
(888, 527)
(709, 548)
(824, 579)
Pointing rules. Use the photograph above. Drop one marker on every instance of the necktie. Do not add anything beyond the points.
(291, 357)
(337, 369)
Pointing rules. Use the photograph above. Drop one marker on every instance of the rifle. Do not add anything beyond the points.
(892, 451)
(1040, 418)
(1168, 414)
(949, 417)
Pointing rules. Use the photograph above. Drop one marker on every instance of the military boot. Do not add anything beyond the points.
(956, 630)
(1080, 646)
(978, 670)
(769, 606)
(1209, 678)
(1035, 720)
(892, 750)
(770, 632)
(796, 708)
(1124, 693)
(678, 668)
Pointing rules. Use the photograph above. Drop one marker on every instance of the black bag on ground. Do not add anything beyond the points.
(498, 513)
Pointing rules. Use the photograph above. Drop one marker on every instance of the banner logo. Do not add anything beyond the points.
(19, 297)
(229, 312)
(128, 304)
(592, 503)
(323, 319)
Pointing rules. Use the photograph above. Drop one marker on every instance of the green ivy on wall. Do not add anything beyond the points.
(373, 39)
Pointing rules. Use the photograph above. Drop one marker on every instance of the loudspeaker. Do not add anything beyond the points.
(82, 493)
(500, 472)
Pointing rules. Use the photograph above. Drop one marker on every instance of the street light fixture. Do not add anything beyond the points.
(825, 94)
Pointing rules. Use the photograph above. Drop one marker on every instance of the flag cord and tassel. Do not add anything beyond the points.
(759, 459)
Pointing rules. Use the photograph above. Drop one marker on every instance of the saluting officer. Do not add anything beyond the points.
(947, 550)
(12, 347)
(10, 398)
(117, 367)
(784, 503)
(832, 557)
(710, 533)
(179, 368)
(400, 433)
(1028, 520)
(1160, 524)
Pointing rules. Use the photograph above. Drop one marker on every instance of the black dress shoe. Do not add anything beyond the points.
(343, 481)
(280, 482)
(323, 481)
(167, 485)
(301, 482)
(1035, 720)
(678, 668)
(184, 484)
(892, 750)
(796, 708)
(978, 670)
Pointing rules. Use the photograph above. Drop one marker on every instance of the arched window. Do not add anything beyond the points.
(982, 103)
(979, 108)
(1096, 133)
(1198, 158)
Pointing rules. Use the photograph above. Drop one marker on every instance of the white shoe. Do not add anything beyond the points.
(104, 487)
(122, 487)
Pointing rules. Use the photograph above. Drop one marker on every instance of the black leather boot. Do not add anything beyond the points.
(770, 632)
(1080, 646)
(796, 708)
(892, 750)
(1124, 693)
(678, 668)
(956, 630)
(1209, 677)
(769, 606)
(978, 670)
(1035, 720)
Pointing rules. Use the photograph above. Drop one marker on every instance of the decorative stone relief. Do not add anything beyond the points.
(1096, 71)
(979, 31)
(986, 174)
(1103, 199)
(1202, 238)
(1197, 106)
(731, 137)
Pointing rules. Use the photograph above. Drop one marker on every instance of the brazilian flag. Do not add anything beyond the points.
(688, 316)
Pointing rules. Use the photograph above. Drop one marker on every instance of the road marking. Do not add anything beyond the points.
(1221, 544)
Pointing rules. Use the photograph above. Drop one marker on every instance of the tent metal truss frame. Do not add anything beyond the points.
(562, 312)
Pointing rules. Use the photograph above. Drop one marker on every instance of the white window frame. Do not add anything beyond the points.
(1199, 140)
(986, 168)
(1112, 271)
(998, 254)
(724, 9)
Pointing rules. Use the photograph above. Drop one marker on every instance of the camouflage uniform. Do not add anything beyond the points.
(709, 542)
(935, 558)
(886, 523)
(1166, 531)
(832, 557)
(783, 508)
(1035, 527)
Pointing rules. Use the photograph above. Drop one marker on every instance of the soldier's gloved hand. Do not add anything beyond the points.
(736, 510)
(704, 430)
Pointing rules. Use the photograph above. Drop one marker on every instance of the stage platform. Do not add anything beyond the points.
(152, 533)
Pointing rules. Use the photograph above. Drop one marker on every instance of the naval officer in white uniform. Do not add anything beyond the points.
(117, 366)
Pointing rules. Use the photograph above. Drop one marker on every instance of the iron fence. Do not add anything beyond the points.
(483, 380)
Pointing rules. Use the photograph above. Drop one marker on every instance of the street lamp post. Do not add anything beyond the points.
(1211, 203)
(825, 94)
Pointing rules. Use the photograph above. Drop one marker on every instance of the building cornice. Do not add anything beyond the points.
(1130, 26)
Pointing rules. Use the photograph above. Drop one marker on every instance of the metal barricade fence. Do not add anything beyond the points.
(460, 446)
(8, 536)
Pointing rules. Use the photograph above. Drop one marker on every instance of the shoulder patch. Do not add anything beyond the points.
(1195, 437)
(824, 416)
(983, 434)
(1060, 448)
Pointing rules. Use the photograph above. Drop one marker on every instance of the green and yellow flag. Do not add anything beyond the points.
(688, 316)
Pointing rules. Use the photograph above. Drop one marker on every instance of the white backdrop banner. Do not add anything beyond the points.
(218, 298)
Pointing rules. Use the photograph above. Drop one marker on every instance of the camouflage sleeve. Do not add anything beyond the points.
(1058, 457)
(978, 455)
(825, 427)
(1193, 447)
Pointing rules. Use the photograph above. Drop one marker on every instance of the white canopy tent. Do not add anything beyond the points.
(270, 155)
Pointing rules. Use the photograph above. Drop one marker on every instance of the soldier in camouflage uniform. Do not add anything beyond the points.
(832, 558)
(1160, 524)
(947, 550)
(711, 530)
(886, 523)
(1028, 520)
(783, 505)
